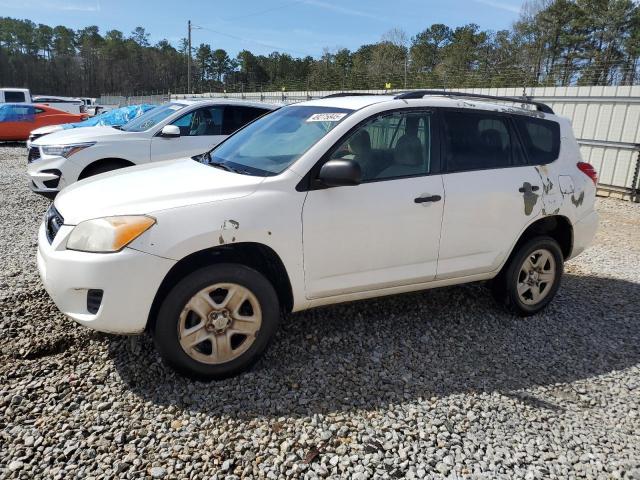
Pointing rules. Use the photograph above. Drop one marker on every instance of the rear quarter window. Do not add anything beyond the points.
(540, 138)
(14, 97)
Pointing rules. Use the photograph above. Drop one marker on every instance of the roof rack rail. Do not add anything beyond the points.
(541, 107)
(348, 94)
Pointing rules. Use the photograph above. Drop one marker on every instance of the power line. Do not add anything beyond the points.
(255, 42)
(266, 10)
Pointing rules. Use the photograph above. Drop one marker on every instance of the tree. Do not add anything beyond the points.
(220, 64)
(140, 36)
(554, 42)
(427, 47)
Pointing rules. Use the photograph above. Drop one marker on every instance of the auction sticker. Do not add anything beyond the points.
(326, 117)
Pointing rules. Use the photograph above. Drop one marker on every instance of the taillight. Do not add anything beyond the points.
(589, 171)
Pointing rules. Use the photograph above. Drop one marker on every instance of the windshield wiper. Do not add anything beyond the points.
(117, 127)
(207, 159)
(221, 166)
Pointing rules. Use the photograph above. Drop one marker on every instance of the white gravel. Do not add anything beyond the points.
(439, 384)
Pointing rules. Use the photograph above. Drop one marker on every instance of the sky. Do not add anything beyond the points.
(298, 27)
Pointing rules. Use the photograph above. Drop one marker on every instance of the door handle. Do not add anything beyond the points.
(432, 198)
(534, 188)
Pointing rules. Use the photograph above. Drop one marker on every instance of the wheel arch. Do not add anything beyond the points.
(557, 227)
(251, 254)
(121, 162)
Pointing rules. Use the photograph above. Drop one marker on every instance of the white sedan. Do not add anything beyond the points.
(182, 128)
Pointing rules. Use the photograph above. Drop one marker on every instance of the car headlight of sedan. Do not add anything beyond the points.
(65, 150)
(108, 234)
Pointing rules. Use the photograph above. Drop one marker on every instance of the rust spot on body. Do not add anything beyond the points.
(230, 224)
(577, 201)
(555, 212)
(530, 198)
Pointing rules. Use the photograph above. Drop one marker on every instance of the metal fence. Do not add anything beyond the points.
(123, 101)
(605, 120)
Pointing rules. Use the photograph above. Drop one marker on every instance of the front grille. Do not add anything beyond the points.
(52, 223)
(94, 299)
(33, 155)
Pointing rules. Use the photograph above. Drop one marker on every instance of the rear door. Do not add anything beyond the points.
(492, 194)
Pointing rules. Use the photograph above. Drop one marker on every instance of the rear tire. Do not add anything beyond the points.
(217, 321)
(531, 278)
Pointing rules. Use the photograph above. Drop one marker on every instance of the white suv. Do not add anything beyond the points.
(326, 201)
(177, 129)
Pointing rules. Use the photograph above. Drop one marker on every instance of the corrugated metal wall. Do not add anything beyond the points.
(605, 120)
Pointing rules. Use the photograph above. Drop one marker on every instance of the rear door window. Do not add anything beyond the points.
(479, 140)
(541, 139)
(236, 117)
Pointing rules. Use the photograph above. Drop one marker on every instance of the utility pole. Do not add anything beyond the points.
(189, 59)
(406, 60)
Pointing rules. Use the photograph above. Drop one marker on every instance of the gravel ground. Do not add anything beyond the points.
(439, 384)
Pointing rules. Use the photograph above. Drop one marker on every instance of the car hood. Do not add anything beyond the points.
(46, 129)
(149, 188)
(76, 135)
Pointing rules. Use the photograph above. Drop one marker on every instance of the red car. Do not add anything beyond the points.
(18, 119)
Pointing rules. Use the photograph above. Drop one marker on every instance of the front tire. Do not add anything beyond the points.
(532, 277)
(217, 321)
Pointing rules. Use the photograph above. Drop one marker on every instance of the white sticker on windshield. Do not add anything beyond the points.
(326, 117)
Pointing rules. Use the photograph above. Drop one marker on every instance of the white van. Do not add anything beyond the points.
(66, 104)
(15, 95)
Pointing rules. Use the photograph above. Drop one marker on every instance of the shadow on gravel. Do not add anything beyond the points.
(397, 349)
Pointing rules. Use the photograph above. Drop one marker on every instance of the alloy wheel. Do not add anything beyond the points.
(536, 277)
(219, 323)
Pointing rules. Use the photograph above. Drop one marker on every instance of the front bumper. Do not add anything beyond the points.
(49, 175)
(129, 280)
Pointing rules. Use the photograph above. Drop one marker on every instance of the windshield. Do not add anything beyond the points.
(152, 117)
(273, 142)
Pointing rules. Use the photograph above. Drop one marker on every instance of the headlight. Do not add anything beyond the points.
(65, 150)
(108, 234)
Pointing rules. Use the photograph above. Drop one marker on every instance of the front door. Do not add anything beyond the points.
(384, 232)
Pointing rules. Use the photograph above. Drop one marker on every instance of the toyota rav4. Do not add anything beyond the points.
(332, 200)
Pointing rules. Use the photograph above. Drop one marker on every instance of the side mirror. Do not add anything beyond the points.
(170, 131)
(339, 173)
